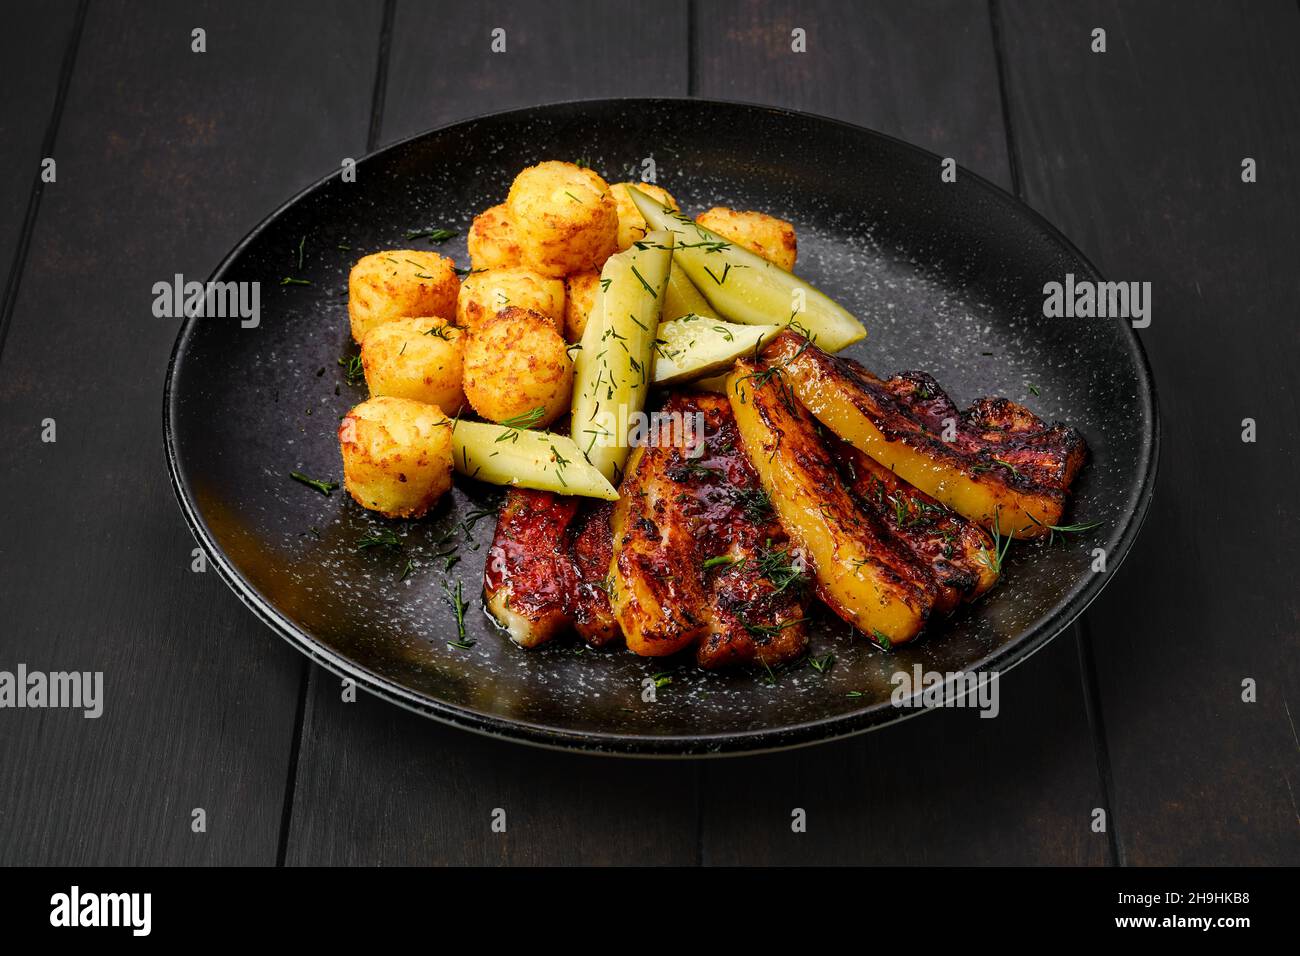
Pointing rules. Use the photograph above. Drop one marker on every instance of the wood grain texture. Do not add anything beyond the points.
(166, 158)
(375, 783)
(443, 69)
(922, 71)
(35, 47)
(1136, 153)
(381, 786)
(948, 787)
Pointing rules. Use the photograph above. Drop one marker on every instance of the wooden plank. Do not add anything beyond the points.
(381, 786)
(1136, 153)
(377, 784)
(166, 157)
(948, 787)
(923, 71)
(37, 49)
(575, 49)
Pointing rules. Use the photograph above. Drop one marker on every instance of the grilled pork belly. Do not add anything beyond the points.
(958, 553)
(530, 579)
(593, 549)
(863, 572)
(699, 557)
(713, 542)
(548, 568)
(995, 463)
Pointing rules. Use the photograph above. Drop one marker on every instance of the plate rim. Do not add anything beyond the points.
(612, 743)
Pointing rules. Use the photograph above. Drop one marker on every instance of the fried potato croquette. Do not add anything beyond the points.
(416, 358)
(400, 282)
(565, 217)
(516, 363)
(484, 294)
(579, 296)
(631, 224)
(493, 242)
(761, 234)
(396, 455)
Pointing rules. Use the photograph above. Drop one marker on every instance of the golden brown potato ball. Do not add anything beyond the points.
(579, 296)
(565, 218)
(396, 455)
(493, 241)
(484, 294)
(418, 358)
(517, 362)
(388, 285)
(761, 234)
(631, 224)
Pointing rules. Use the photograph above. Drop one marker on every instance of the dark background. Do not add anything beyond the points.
(166, 158)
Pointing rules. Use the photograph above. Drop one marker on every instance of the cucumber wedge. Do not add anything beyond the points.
(614, 367)
(714, 383)
(747, 288)
(694, 347)
(525, 458)
(682, 298)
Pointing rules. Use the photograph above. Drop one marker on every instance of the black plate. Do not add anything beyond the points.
(947, 277)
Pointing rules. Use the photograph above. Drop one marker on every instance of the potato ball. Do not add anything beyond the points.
(484, 294)
(631, 224)
(761, 234)
(396, 455)
(516, 363)
(388, 285)
(564, 216)
(493, 241)
(417, 358)
(579, 296)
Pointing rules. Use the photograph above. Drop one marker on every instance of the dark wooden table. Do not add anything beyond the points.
(166, 157)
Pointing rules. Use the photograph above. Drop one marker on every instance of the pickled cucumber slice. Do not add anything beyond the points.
(694, 347)
(746, 288)
(524, 458)
(614, 367)
(682, 298)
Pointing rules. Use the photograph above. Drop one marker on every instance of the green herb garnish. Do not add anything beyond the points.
(514, 423)
(993, 561)
(433, 235)
(324, 487)
(354, 373)
(457, 601)
(383, 538)
(1054, 529)
(822, 664)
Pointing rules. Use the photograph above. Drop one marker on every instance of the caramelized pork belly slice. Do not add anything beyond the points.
(697, 551)
(657, 602)
(756, 606)
(593, 549)
(1002, 465)
(958, 552)
(862, 571)
(529, 578)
